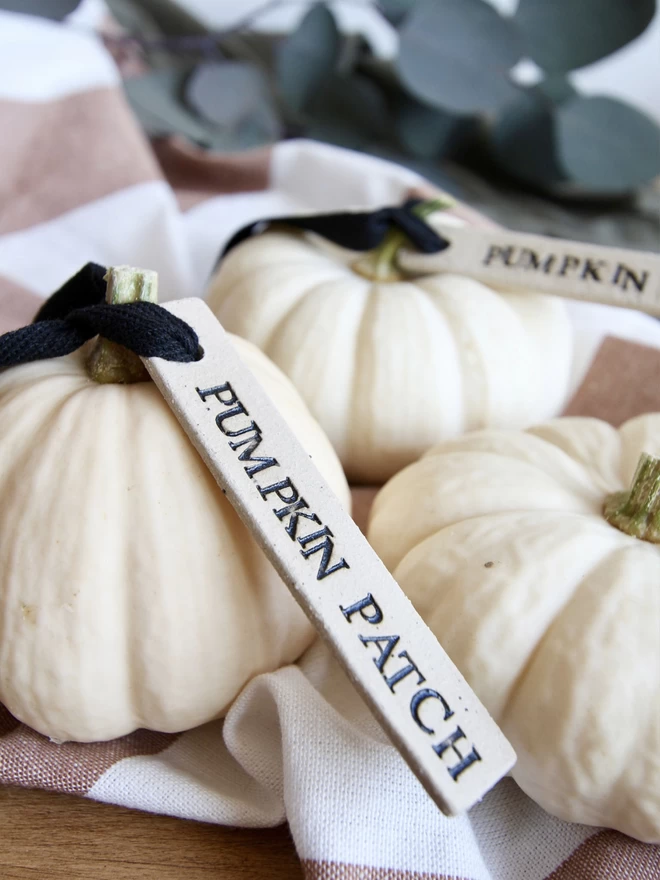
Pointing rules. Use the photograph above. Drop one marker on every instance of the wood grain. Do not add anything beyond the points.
(46, 835)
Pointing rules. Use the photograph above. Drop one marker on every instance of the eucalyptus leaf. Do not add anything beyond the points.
(133, 18)
(426, 132)
(307, 57)
(225, 92)
(456, 54)
(155, 99)
(139, 24)
(606, 145)
(262, 126)
(562, 35)
(234, 96)
(395, 10)
(556, 88)
(352, 50)
(350, 111)
(53, 9)
(173, 19)
(522, 140)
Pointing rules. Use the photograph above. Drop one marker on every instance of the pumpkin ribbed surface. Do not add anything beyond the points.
(390, 368)
(552, 614)
(131, 595)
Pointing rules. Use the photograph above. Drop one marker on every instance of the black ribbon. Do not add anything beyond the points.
(359, 230)
(78, 311)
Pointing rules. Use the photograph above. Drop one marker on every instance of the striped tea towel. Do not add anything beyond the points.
(80, 182)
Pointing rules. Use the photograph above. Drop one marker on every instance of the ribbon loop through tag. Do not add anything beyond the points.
(356, 230)
(77, 312)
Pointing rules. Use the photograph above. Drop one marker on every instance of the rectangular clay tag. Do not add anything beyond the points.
(614, 276)
(422, 701)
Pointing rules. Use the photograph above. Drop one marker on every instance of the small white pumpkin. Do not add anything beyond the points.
(131, 595)
(553, 614)
(391, 365)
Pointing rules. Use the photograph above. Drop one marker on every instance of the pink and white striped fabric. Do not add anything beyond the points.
(80, 182)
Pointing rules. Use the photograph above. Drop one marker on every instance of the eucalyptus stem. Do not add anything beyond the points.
(109, 362)
(380, 263)
(637, 511)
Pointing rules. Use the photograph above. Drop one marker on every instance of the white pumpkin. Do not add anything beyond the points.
(551, 613)
(390, 367)
(131, 595)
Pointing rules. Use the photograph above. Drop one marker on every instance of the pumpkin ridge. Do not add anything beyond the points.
(493, 369)
(604, 476)
(278, 256)
(596, 808)
(390, 433)
(511, 518)
(583, 487)
(472, 377)
(355, 403)
(460, 366)
(319, 369)
(47, 419)
(67, 367)
(94, 563)
(436, 480)
(539, 644)
(362, 463)
(44, 456)
(232, 309)
(553, 346)
(550, 612)
(316, 289)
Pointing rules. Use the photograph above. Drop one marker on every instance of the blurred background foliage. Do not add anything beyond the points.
(447, 94)
(446, 104)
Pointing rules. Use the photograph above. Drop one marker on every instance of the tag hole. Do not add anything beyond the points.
(200, 353)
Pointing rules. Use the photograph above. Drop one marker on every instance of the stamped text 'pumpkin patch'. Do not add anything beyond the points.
(424, 704)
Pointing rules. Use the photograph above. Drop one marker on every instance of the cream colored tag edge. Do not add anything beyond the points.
(613, 276)
(422, 701)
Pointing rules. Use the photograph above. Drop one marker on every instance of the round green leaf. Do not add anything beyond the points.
(260, 127)
(139, 24)
(53, 9)
(456, 54)
(133, 19)
(224, 92)
(562, 35)
(348, 110)
(556, 89)
(605, 144)
(522, 140)
(155, 100)
(307, 57)
(426, 132)
(233, 96)
(173, 18)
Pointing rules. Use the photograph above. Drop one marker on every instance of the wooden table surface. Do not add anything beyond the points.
(45, 835)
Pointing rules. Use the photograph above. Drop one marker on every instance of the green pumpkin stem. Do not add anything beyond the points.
(380, 263)
(637, 511)
(109, 362)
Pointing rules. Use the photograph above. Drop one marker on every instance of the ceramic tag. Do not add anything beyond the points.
(613, 276)
(424, 704)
